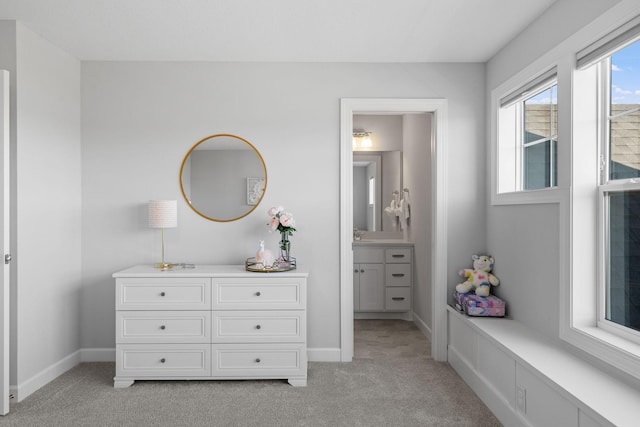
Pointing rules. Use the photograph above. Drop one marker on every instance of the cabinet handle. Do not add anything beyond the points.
(355, 271)
(258, 326)
(163, 327)
(397, 255)
(162, 294)
(258, 293)
(162, 360)
(398, 274)
(258, 360)
(362, 271)
(397, 298)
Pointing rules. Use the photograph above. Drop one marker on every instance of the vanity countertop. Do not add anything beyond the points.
(203, 270)
(382, 242)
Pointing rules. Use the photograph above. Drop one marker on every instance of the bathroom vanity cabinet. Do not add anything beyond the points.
(210, 322)
(382, 278)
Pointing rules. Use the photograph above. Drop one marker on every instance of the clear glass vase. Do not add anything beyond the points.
(285, 250)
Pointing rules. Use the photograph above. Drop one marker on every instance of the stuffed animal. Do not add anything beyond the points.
(479, 279)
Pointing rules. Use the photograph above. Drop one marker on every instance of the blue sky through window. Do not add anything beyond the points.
(625, 75)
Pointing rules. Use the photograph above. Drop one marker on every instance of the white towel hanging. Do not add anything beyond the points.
(406, 204)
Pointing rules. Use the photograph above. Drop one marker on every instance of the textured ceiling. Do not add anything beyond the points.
(278, 30)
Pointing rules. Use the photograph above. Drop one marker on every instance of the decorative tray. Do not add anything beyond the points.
(279, 266)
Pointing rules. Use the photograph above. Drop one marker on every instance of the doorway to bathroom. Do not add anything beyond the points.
(424, 121)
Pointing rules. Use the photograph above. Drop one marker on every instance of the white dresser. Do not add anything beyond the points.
(211, 322)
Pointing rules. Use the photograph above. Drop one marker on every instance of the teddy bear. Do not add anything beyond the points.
(479, 279)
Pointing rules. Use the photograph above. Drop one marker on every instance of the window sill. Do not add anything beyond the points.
(607, 347)
(545, 195)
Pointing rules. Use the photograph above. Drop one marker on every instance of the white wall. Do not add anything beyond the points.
(139, 120)
(45, 146)
(417, 178)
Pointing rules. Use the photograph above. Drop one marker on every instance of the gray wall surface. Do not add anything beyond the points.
(139, 120)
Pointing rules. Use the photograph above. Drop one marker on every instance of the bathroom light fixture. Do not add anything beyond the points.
(163, 214)
(361, 139)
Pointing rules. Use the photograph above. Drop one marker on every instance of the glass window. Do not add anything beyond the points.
(528, 140)
(621, 189)
(623, 275)
(624, 113)
(540, 140)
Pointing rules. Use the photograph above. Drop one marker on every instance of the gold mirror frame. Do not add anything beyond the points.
(186, 158)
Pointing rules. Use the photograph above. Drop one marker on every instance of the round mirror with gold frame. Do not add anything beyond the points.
(223, 177)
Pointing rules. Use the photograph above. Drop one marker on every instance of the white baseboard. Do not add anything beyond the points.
(42, 378)
(98, 355)
(323, 354)
(426, 330)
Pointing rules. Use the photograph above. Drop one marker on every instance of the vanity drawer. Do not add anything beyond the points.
(258, 326)
(393, 255)
(163, 360)
(163, 327)
(368, 255)
(263, 360)
(163, 294)
(243, 294)
(398, 275)
(398, 299)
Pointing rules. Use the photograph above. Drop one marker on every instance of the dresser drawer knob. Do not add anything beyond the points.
(162, 360)
(258, 293)
(163, 327)
(258, 360)
(258, 326)
(162, 294)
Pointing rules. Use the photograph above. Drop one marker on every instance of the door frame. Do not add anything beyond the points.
(439, 108)
(5, 284)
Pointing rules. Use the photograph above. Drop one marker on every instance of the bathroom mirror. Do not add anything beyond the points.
(223, 177)
(376, 175)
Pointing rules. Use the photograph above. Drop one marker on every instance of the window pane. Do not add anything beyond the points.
(624, 140)
(625, 79)
(540, 165)
(623, 284)
(541, 116)
(624, 146)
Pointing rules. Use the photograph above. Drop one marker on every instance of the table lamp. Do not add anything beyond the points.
(163, 214)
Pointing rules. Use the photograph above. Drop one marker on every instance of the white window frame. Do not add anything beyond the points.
(607, 186)
(507, 136)
(582, 322)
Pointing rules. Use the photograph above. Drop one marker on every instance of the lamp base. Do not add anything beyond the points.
(164, 265)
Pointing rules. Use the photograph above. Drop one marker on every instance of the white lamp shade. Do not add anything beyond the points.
(163, 213)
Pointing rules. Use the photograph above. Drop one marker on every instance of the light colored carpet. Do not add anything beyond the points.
(391, 382)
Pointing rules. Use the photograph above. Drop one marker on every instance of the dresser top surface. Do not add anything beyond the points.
(203, 270)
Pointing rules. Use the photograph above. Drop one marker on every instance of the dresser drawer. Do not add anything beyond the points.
(398, 299)
(163, 327)
(244, 294)
(393, 255)
(258, 360)
(398, 275)
(258, 326)
(163, 294)
(163, 360)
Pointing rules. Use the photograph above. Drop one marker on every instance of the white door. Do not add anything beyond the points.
(4, 239)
